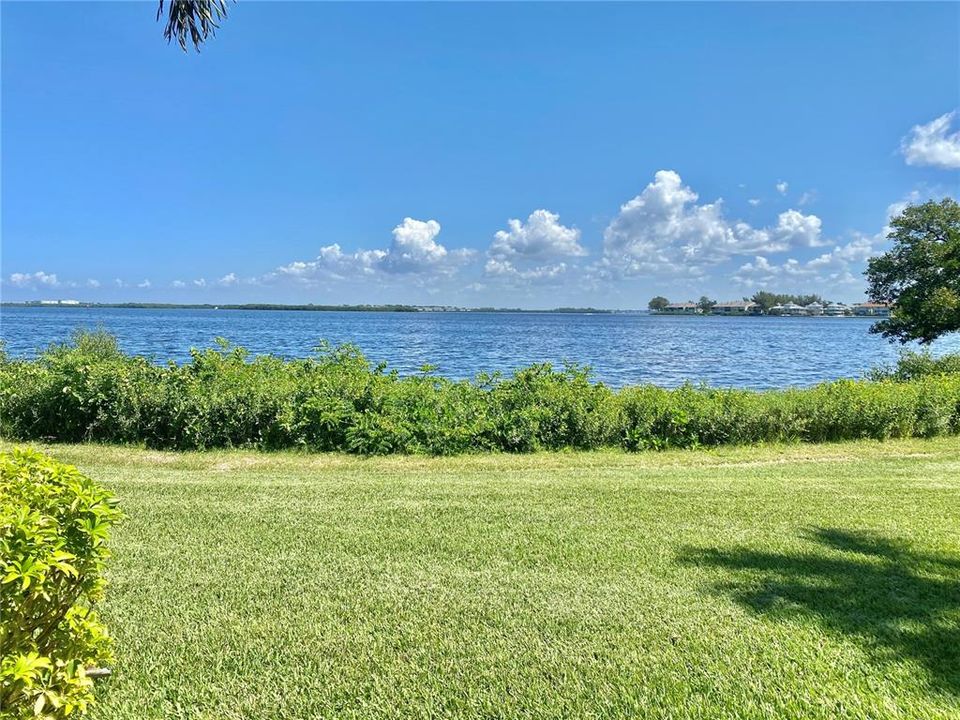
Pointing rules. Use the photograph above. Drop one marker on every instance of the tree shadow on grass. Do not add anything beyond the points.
(897, 602)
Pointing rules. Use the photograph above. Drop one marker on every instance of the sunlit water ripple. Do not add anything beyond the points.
(622, 349)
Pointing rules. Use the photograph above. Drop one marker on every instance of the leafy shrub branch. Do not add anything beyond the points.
(54, 524)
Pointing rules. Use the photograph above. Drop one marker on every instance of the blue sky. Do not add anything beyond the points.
(529, 155)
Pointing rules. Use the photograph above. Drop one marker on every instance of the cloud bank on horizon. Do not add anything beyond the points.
(666, 236)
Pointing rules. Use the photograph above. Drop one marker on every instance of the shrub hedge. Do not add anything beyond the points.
(88, 390)
(54, 524)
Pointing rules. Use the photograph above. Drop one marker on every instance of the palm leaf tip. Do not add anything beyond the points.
(191, 21)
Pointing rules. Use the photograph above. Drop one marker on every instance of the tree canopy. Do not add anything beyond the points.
(192, 20)
(658, 303)
(706, 304)
(920, 275)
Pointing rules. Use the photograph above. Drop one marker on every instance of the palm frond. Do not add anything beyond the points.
(192, 20)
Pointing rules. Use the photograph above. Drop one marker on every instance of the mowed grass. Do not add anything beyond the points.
(782, 582)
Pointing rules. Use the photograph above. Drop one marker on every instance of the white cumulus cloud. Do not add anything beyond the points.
(794, 229)
(413, 251)
(542, 236)
(782, 186)
(414, 247)
(532, 250)
(331, 264)
(665, 229)
(33, 280)
(507, 270)
(933, 143)
(758, 271)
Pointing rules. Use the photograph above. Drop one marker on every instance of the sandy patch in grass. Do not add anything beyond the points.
(240, 463)
(155, 457)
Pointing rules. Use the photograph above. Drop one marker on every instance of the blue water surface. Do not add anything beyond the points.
(622, 349)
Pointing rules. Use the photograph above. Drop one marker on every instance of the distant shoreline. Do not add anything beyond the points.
(310, 307)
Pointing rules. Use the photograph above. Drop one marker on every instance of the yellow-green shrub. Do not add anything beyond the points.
(54, 524)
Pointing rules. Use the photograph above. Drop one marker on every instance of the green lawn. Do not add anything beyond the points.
(801, 581)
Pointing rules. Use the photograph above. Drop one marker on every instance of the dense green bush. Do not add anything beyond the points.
(336, 400)
(912, 365)
(54, 523)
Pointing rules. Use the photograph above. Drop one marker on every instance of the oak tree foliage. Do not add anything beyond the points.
(920, 275)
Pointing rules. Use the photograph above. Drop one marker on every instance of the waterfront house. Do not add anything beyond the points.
(687, 308)
(736, 307)
(814, 308)
(788, 309)
(791, 309)
(871, 309)
(835, 310)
